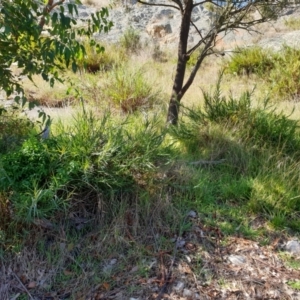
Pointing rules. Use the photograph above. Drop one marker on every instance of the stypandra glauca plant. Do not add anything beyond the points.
(89, 155)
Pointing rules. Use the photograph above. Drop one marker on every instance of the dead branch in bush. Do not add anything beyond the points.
(207, 162)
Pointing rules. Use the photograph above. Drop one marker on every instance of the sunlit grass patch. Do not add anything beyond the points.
(130, 89)
(279, 70)
(292, 23)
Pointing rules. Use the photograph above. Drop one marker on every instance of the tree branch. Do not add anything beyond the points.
(207, 162)
(24, 287)
(209, 45)
(160, 4)
(48, 8)
(202, 2)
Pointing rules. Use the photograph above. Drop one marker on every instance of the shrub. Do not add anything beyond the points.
(220, 109)
(99, 156)
(95, 61)
(131, 40)
(285, 77)
(248, 61)
(260, 125)
(280, 70)
(13, 129)
(129, 89)
(242, 155)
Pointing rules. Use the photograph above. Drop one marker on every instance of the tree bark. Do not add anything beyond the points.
(173, 110)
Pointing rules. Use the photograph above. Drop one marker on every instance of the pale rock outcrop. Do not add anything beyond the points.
(159, 30)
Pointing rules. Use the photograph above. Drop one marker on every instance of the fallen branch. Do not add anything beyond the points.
(23, 286)
(207, 162)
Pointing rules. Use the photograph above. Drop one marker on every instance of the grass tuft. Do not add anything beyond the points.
(279, 70)
(292, 23)
(131, 40)
(130, 89)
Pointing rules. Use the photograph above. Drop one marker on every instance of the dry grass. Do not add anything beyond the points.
(41, 92)
(65, 268)
(162, 74)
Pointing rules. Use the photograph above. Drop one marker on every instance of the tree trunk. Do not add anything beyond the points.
(173, 110)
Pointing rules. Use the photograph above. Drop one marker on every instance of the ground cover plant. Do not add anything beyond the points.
(115, 204)
(278, 69)
(106, 189)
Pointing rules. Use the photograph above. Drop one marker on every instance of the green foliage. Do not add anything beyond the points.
(290, 260)
(42, 39)
(131, 40)
(105, 156)
(294, 284)
(247, 156)
(121, 185)
(130, 89)
(284, 78)
(13, 129)
(279, 70)
(259, 125)
(94, 61)
(252, 60)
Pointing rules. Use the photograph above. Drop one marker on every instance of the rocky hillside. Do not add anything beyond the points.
(161, 25)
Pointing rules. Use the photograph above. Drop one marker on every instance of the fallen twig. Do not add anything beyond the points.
(26, 290)
(207, 162)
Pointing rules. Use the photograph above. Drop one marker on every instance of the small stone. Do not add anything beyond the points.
(113, 261)
(188, 259)
(237, 259)
(134, 269)
(155, 289)
(179, 286)
(192, 214)
(187, 293)
(180, 243)
(293, 247)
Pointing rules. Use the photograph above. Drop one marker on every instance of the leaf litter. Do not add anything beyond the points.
(199, 264)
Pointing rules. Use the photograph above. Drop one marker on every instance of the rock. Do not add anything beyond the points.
(237, 259)
(113, 261)
(108, 267)
(192, 214)
(159, 30)
(189, 260)
(159, 22)
(293, 247)
(180, 242)
(187, 293)
(179, 286)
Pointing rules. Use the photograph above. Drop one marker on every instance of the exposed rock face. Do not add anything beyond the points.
(162, 25)
(159, 30)
(152, 22)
